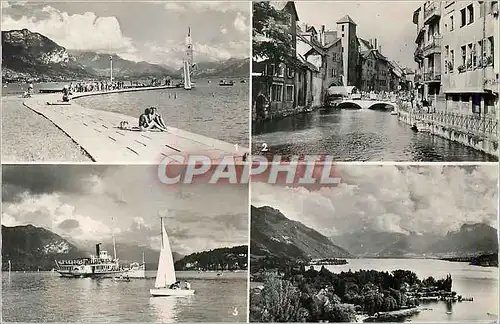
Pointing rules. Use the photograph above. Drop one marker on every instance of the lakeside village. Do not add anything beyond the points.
(288, 292)
(452, 92)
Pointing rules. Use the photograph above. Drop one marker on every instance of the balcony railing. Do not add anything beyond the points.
(431, 11)
(432, 76)
(432, 47)
(482, 127)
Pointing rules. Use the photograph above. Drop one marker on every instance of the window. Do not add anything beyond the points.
(342, 33)
(469, 56)
(474, 55)
(446, 58)
(281, 70)
(482, 6)
(492, 50)
(289, 93)
(332, 73)
(343, 27)
(470, 11)
(452, 60)
(452, 26)
(277, 92)
(464, 55)
(462, 15)
(271, 70)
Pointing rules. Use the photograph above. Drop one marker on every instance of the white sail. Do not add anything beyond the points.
(165, 275)
(187, 76)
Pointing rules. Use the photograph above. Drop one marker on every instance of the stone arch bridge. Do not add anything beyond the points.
(367, 104)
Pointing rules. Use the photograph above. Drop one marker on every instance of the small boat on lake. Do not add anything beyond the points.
(121, 278)
(166, 283)
(225, 83)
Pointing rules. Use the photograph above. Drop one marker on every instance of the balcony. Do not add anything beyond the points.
(418, 55)
(420, 33)
(418, 78)
(432, 47)
(432, 76)
(431, 12)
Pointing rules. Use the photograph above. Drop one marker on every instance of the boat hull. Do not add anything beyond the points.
(158, 292)
(88, 275)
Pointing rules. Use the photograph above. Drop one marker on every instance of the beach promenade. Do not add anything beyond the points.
(96, 132)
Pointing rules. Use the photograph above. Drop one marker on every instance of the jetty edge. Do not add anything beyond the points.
(98, 135)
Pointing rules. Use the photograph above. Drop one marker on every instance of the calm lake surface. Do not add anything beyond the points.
(46, 297)
(481, 283)
(358, 135)
(209, 109)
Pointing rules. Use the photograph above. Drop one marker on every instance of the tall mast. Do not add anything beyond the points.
(143, 259)
(114, 246)
(161, 221)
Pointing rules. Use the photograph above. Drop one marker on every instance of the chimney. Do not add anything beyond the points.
(375, 43)
(322, 35)
(97, 250)
(371, 42)
(380, 49)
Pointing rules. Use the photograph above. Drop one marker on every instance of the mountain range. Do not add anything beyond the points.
(274, 235)
(30, 248)
(469, 240)
(29, 55)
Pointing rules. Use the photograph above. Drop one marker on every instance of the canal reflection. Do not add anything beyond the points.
(357, 135)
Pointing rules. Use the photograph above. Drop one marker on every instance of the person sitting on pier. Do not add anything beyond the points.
(66, 93)
(146, 122)
(157, 118)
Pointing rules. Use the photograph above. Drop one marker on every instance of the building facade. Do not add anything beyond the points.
(457, 56)
(274, 85)
(470, 54)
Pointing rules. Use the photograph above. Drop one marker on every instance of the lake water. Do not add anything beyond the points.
(481, 283)
(209, 109)
(46, 297)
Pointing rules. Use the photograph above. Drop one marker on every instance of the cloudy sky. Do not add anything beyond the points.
(89, 203)
(389, 198)
(388, 21)
(141, 30)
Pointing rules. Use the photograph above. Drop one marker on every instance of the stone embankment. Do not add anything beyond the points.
(479, 133)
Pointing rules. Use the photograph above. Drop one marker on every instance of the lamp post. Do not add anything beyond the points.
(111, 68)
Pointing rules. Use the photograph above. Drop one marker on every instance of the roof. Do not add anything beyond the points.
(365, 42)
(306, 64)
(311, 28)
(346, 19)
(332, 43)
(314, 46)
(282, 5)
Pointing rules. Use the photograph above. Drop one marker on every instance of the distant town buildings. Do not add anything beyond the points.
(329, 58)
(458, 56)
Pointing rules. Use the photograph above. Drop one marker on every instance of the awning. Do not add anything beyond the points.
(333, 90)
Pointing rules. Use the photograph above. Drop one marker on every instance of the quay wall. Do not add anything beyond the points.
(479, 134)
(95, 93)
(280, 111)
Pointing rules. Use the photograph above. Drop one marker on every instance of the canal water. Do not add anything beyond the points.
(358, 135)
(481, 283)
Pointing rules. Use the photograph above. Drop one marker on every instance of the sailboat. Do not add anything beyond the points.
(188, 62)
(165, 275)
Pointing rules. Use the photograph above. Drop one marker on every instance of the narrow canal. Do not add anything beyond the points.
(358, 135)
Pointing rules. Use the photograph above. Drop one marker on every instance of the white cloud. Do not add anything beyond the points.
(424, 199)
(223, 30)
(172, 6)
(49, 211)
(222, 6)
(240, 23)
(78, 31)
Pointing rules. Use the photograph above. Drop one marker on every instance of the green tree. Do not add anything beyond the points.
(271, 36)
(279, 301)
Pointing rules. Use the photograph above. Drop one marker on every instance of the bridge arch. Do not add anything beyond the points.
(349, 105)
(380, 105)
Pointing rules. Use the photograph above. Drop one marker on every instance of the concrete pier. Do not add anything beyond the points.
(97, 133)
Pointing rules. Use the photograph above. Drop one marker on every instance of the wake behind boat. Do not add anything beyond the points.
(166, 283)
